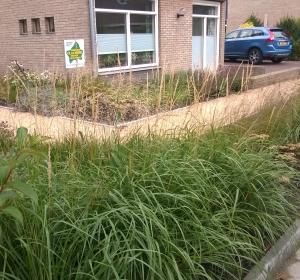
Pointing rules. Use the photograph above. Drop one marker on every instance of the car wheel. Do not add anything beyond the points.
(255, 56)
(277, 60)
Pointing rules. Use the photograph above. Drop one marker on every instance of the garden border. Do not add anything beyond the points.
(277, 256)
(273, 78)
(199, 117)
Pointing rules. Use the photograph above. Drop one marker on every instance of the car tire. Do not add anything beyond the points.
(255, 56)
(277, 60)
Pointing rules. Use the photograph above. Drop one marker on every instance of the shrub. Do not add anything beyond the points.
(247, 24)
(10, 189)
(292, 26)
(253, 20)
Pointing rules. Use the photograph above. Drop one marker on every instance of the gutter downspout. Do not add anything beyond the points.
(93, 40)
(226, 16)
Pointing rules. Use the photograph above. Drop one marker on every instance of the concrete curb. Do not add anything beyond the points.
(277, 256)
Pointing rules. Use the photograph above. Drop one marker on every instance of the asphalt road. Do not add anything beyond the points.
(269, 65)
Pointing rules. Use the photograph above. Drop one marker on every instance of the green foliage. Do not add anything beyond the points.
(7, 92)
(158, 207)
(11, 190)
(22, 83)
(184, 88)
(109, 60)
(292, 26)
(257, 22)
(22, 79)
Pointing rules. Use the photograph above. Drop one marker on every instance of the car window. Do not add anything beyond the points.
(279, 33)
(245, 33)
(232, 35)
(256, 33)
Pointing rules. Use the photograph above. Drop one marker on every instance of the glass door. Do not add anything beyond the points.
(211, 43)
(205, 51)
(198, 43)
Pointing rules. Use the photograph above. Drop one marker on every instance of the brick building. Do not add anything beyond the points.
(107, 36)
(239, 11)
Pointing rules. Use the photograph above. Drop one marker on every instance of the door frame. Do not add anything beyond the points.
(205, 17)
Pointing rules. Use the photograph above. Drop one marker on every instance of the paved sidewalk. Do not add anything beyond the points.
(268, 65)
(282, 261)
(291, 270)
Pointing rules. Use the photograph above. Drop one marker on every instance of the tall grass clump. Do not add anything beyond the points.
(189, 207)
(95, 99)
(279, 123)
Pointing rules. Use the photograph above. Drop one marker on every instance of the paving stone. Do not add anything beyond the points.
(292, 268)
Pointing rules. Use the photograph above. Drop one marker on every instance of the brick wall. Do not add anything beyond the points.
(222, 33)
(276, 9)
(42, 51)
(175, 37)
(72, 21)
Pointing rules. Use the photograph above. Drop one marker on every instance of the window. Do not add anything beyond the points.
(204, 10)
(279, 33)
(133, 5)
(49, 21)
(23, 26)
(257, 33)
(126, 33)
(232, 35)
(36, 26)
(245, 33)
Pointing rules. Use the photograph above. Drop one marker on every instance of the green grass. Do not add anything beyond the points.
(156, 207)
(189, 207)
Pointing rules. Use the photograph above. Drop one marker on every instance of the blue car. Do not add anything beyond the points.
(257, 44)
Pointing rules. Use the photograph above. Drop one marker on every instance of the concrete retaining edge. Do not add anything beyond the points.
(277, 256)
(273, 78)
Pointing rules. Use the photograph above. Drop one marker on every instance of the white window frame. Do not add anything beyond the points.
(218, 6)
(127, 13)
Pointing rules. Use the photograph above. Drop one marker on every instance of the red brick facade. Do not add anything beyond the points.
(239, 11)
(175, 34)
(42, 51)
(72, 21)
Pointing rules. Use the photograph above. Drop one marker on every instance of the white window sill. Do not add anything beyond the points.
(117, 70)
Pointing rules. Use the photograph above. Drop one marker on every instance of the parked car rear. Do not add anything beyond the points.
(257, 44)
